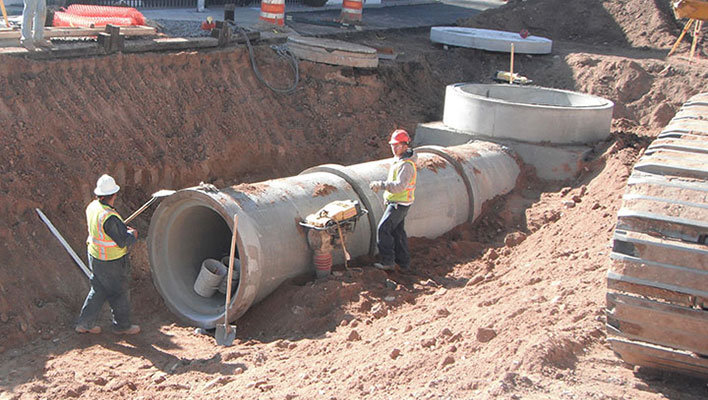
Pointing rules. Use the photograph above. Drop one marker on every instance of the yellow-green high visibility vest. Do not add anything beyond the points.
(408, 194)
(100, 245)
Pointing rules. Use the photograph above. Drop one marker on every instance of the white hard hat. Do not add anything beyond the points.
(106, 186)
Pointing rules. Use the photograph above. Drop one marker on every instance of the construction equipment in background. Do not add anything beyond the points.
(696, 11)
(657, 284)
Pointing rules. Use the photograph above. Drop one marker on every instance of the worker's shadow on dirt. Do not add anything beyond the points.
(156, 351)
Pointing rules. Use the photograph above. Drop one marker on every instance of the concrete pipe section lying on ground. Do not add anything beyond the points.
(527, 114)
(195, 223)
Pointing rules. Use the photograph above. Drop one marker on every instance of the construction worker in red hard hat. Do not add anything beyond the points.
(107, 243)
(399, 194)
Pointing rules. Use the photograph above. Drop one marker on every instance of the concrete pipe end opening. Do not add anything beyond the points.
(187, 228)
(527, 113)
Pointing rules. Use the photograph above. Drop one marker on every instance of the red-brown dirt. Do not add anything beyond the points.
(509, 307)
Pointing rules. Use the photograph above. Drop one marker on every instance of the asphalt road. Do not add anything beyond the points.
(411, 16)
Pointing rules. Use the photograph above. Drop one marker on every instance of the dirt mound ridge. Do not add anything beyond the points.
(634, 23)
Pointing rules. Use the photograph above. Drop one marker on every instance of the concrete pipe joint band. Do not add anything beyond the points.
(195, 223)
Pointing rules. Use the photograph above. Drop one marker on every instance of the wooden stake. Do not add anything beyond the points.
(683, 33)
(696, 31)
(511, 67)
(4, 14)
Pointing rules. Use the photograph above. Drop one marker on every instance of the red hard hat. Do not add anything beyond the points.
(399, 136)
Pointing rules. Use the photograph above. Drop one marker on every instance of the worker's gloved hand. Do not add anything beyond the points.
(376, 185)
(133, 232)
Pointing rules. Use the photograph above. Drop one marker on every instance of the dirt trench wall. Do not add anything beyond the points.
(164, 121)
(172, 120)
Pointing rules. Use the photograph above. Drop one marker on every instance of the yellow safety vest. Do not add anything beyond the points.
(100, 245)
(408, 194)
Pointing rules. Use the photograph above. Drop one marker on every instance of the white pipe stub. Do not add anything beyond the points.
(490, 40)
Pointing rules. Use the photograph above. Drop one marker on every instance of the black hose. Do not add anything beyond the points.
(282, 51)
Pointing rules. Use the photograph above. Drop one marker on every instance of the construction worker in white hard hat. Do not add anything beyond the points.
(107, 242)
(399, 195)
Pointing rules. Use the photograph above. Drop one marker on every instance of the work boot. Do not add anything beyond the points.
(134, 329)
(43, 43)
(27, 44)
(95, 330)
(384, 267)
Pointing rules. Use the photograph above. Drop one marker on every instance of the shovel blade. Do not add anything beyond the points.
(163, 193)
(225, 334)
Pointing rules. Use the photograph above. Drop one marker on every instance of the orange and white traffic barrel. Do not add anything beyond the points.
(351, 10)
(273, 11)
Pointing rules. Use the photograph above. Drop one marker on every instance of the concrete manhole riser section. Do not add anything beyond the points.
(195, 224)
(527, 113)
(490, 40)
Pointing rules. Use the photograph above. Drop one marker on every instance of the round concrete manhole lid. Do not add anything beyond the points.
(334, 52)
(490, 40)
(331, 44)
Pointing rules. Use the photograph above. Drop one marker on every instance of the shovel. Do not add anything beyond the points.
(157, 195)
(226, 333)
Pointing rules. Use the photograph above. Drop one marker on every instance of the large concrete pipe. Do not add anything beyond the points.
(194, 223)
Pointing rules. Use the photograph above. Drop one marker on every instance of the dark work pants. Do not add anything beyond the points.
(392, 240)
(110, 282)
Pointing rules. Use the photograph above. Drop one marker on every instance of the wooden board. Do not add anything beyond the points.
(90, 48)
(69, 32)
(163, 44)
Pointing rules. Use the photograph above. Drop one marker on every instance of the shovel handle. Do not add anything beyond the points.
(140, 210)
(231, 273)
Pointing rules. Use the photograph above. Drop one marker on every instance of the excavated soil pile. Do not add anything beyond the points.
(633, 23)
(510, 307)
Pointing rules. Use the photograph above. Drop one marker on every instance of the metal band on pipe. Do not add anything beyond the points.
(440, 152)
(344, 173)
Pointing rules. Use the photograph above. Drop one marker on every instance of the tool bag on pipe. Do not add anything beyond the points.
(334, 212)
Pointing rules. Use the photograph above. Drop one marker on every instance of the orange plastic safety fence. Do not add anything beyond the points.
(65, 19)
(86, 10)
